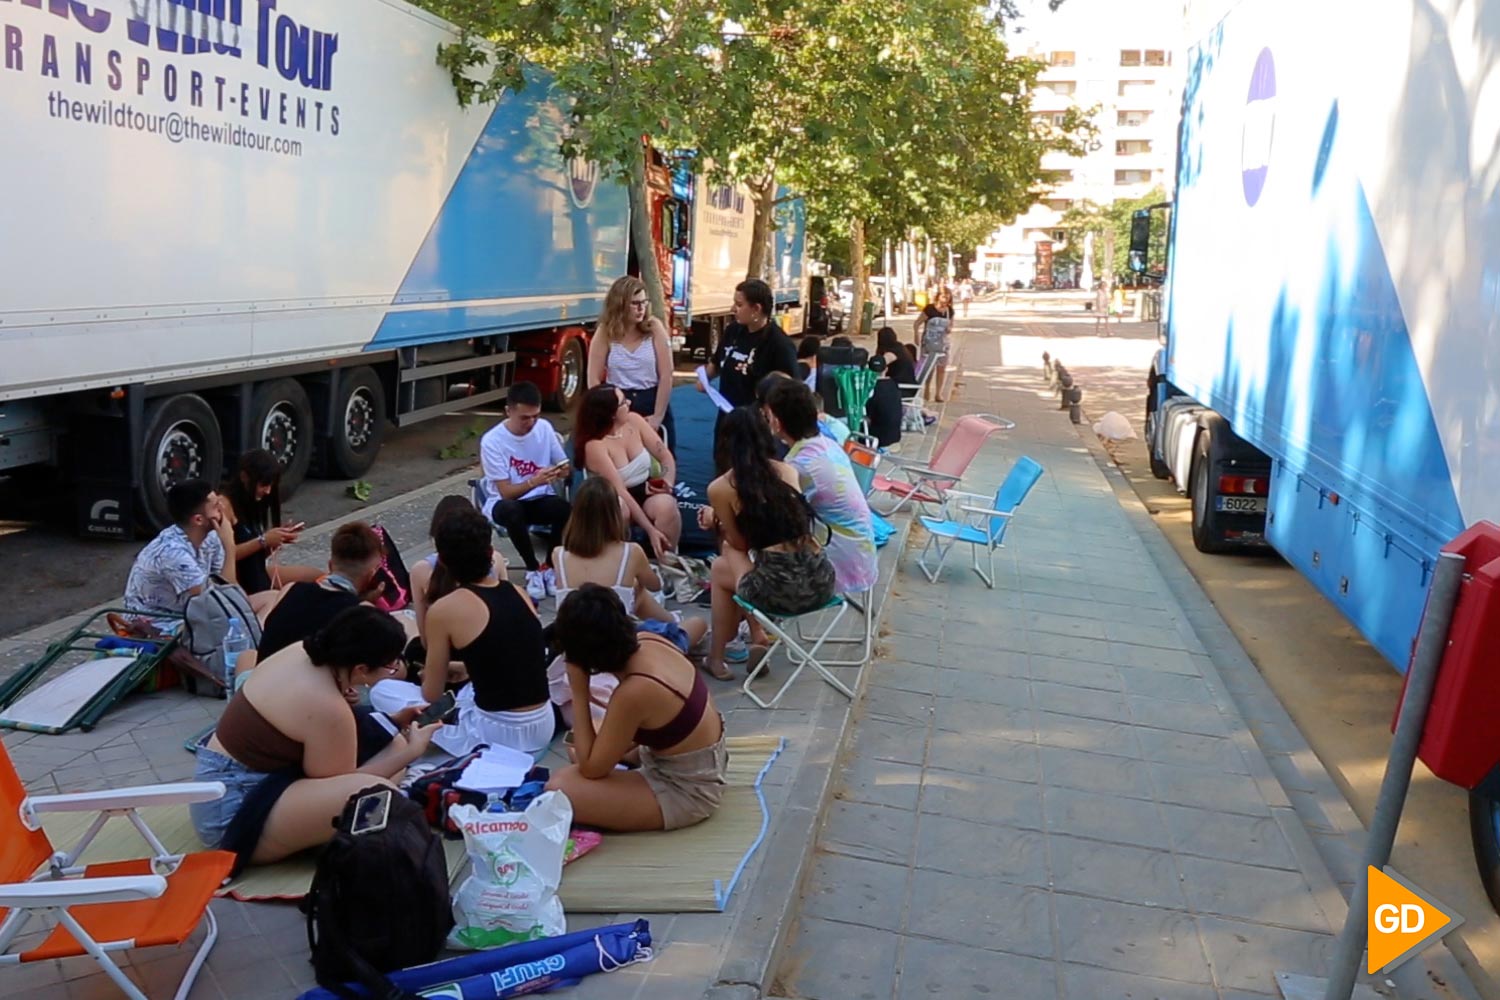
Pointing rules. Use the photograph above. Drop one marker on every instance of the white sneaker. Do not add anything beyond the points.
(549, 580)
(536, 584)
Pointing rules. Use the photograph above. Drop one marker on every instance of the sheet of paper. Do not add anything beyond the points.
(496, 769)
(713, 393)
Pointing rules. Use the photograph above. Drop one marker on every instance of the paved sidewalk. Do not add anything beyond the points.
(1048, 791)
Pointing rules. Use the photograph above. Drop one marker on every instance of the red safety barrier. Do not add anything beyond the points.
(1461, 742)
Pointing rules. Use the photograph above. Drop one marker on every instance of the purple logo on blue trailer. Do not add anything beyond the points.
(1259, 127)
(583, 178)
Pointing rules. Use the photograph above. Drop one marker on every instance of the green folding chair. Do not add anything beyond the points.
(856, 386)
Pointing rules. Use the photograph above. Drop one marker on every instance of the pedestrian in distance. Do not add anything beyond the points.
(934, 328)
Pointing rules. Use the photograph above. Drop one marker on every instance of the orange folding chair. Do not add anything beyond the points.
(928, 484)
(104, 908)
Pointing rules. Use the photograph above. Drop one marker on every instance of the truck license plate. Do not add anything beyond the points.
(1241, 505)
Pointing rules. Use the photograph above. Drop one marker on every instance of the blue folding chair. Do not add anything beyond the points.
(980, 527)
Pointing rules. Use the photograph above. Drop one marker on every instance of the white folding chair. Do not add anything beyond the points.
(798, 651)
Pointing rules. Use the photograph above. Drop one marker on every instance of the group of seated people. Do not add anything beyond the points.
(329, 701)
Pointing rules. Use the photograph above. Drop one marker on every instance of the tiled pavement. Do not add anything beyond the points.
(1048, 790)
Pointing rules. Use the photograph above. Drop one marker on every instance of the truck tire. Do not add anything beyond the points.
(1208, 530)
(182, 441)
(1159, 469)
(1484, 827)
(358, 423)
(281, 422)
(572, 372)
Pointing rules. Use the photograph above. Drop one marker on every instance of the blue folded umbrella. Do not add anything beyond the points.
(519, 969)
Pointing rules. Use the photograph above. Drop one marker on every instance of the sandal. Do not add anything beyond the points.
(721, 673)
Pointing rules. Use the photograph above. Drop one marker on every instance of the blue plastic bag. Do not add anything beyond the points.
(520, 969)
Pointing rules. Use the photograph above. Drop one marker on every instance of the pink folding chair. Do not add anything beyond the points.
(927, 484)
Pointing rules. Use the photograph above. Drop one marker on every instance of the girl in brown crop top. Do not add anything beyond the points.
(662, 706)
(293, 714)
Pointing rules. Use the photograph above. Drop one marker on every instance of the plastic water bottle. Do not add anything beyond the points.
(236, 641)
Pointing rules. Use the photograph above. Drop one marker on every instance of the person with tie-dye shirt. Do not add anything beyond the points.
(828, 483)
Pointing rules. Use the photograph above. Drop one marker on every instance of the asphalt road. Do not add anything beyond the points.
(1338, 690)
(49, 572)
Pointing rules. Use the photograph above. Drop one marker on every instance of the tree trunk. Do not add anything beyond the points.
(861, 275)
(643, 235)
(763, 193)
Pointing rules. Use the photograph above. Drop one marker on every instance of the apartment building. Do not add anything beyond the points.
(1125, 58)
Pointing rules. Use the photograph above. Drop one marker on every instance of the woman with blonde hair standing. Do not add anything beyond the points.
(630, 349)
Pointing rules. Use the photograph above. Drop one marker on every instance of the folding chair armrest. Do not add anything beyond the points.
(986, 511)
(81, 891)
(180, 793)
(966, 493)
(909, 385)
(1004, 423)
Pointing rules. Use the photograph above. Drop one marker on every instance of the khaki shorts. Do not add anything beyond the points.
(688, 786)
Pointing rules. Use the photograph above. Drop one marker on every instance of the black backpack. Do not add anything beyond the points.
(394, 580)
(379, 899)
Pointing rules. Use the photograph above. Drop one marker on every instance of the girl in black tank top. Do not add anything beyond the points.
(507, 660)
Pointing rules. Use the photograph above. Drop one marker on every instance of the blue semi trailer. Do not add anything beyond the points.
(1329, 380)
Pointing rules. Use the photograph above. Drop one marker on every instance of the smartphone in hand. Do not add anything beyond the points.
(436, 710)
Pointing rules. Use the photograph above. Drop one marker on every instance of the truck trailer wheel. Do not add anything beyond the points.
(281, 421)
(1208, 527)
(572, 368)
(182, 442)
(358, 423)
(1484, 826)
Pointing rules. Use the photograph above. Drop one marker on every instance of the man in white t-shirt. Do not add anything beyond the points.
(522, 459)
(177, 563)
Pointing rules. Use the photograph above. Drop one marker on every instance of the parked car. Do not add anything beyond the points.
(825, 310)
(846, 295)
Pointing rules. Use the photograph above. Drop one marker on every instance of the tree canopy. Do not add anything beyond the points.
(884, 117)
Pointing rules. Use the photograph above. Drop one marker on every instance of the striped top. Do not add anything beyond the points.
(632, 369)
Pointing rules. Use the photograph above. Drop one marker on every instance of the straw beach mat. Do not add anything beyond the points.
(119, 841)
(682, 871)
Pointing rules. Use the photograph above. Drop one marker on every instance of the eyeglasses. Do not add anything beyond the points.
(638, 303)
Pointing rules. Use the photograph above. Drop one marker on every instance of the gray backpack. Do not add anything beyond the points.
(206, 626)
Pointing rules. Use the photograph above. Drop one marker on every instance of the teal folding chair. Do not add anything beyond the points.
(797, 647)
(981, 527)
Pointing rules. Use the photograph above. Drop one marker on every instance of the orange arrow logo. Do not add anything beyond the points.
(1400, 921)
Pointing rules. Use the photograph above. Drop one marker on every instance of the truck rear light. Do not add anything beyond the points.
(1248, 486)
(824, 302)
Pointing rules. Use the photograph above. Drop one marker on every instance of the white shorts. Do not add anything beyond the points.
(528, 732)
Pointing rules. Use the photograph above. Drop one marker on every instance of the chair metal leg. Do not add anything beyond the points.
(864, 608)
(989, 581)
(933, 542)
(798, 655)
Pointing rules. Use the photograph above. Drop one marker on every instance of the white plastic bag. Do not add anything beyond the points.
(1114, 427)
(517, 860)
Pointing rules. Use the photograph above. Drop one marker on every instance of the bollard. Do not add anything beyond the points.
(1071, 396)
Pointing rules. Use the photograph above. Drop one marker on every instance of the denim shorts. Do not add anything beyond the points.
(211, 819)
(670, 631)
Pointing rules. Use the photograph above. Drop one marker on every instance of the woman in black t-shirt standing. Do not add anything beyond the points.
(935, 327)
(753, 347)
